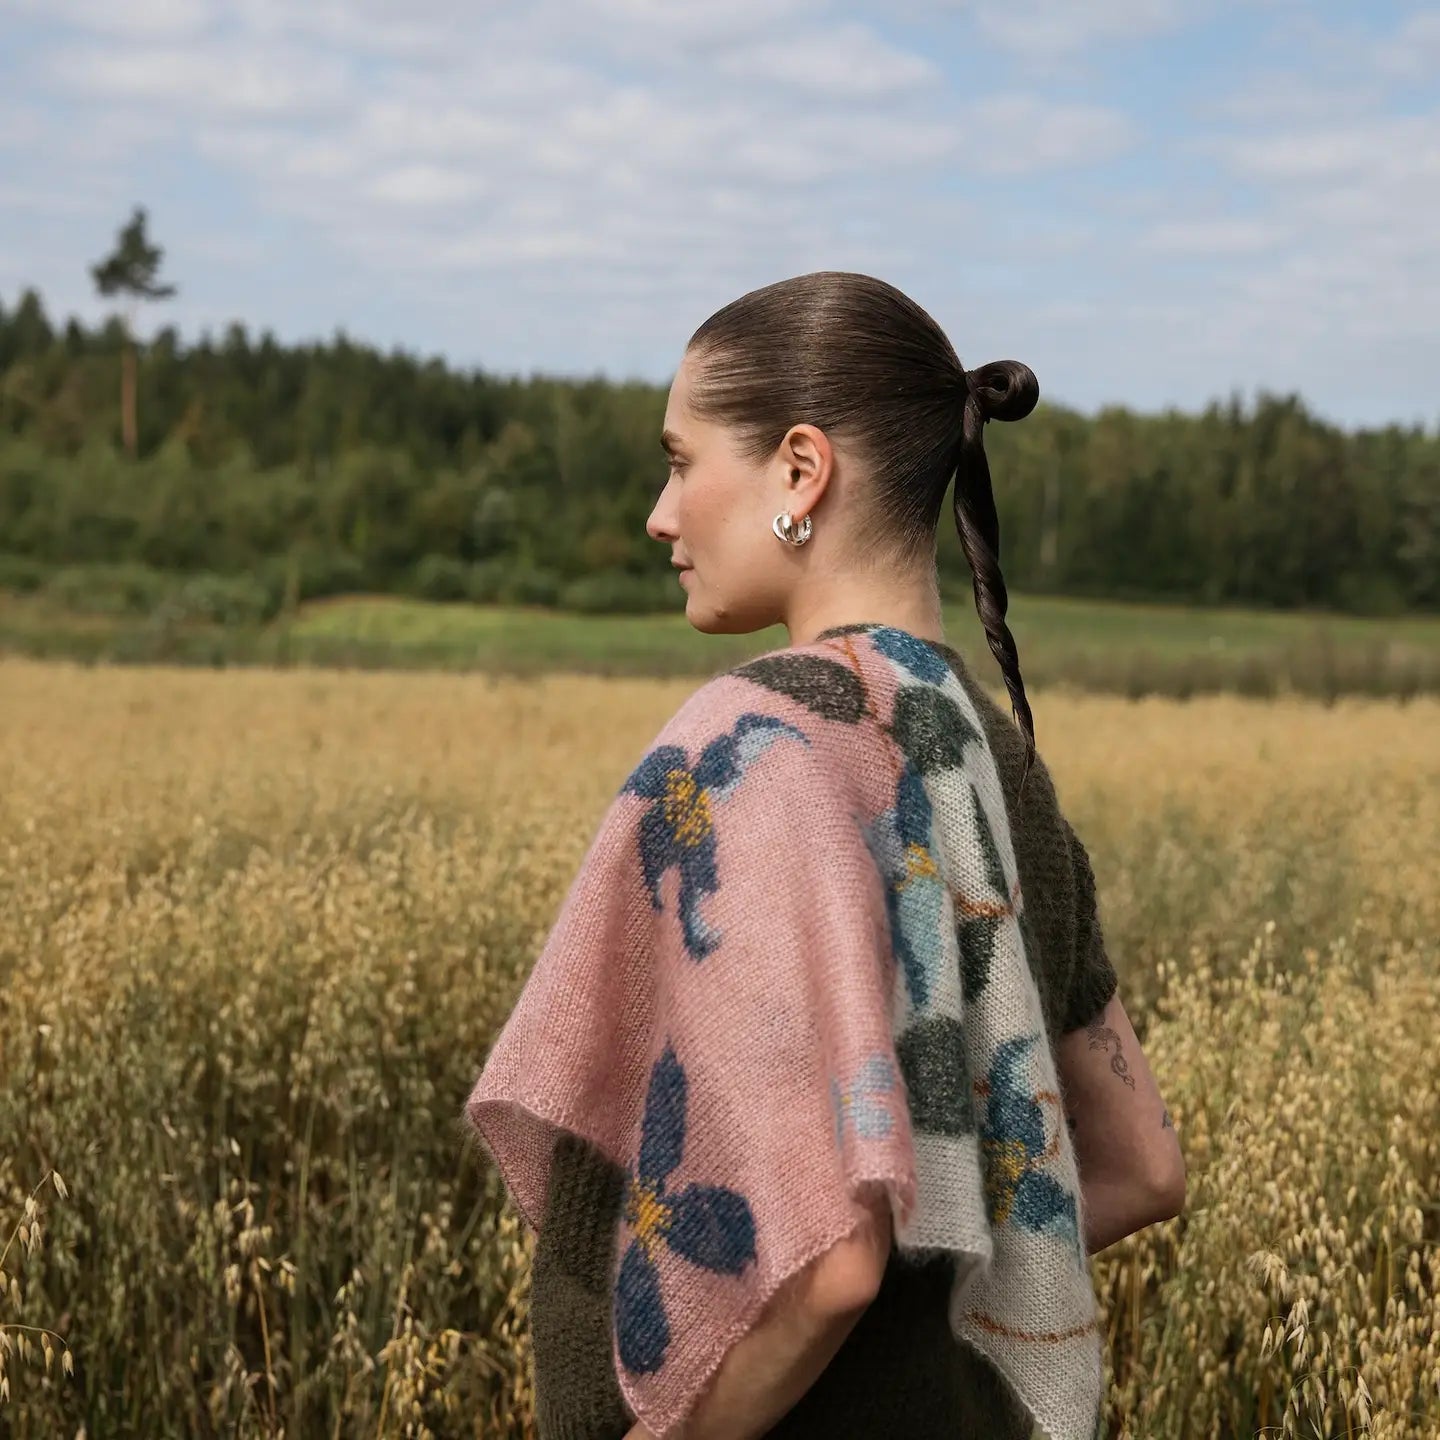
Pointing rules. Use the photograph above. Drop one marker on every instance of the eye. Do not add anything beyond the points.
(676, 466)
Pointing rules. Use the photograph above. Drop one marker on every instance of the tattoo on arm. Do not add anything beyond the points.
(1100, 1037)
(1166, 1123)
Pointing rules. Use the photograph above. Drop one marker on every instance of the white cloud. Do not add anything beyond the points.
(23, 127)
(602, 173)
(423, 185)
(1215, 236)
(1343, 202)
(42, 198)
(845, 60)
(135, 17)
(1400, 146)
(1414, 49)
(281, 156)
(427, 31)
(207, 77)
(514, 153)
(1017, 134)
(1045, 30)
(696, 22)
(1283, 97)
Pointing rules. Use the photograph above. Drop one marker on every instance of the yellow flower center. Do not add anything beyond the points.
(1005, 1162)
(919, 864)
(649, 1215)
(687, 808)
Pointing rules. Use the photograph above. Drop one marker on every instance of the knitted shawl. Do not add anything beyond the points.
(789, 977)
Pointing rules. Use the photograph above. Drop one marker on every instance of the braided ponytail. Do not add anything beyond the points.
(1001, 390)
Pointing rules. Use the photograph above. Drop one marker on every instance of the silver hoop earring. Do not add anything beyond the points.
(785, 529)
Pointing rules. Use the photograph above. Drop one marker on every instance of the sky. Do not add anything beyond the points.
(1151, 203)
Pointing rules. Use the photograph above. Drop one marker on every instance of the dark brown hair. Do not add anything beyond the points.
(863, 362)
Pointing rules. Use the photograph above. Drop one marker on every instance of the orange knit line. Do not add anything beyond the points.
(1052, 1148)
(847, 644)
(1049, 1337)
(892, 752)
(971, 908)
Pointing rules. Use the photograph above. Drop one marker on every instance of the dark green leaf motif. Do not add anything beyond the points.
(990, 850)
(937, 1080)
(931, 729)
(821, 685)
(977, 937)
(977, 934)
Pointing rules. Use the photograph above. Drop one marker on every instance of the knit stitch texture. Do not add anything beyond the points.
(793, 969)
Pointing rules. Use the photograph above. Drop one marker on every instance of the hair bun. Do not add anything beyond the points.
(1004, 389)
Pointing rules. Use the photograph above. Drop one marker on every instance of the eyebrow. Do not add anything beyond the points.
(670, 442)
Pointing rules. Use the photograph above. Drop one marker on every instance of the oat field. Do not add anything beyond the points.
(258, 928)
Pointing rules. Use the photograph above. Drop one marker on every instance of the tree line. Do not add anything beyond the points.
(308, 469)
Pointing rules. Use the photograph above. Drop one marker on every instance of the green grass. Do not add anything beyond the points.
(527, 636)
(1043, 625)
(1115, 646)
(1090, 643)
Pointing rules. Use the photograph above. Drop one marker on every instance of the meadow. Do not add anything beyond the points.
(258, 927)
(1115, 646)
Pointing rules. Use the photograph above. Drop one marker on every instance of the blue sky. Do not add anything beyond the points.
(1150, 202)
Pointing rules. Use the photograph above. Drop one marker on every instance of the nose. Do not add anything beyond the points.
(661, 524)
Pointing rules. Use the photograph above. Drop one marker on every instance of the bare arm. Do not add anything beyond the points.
(1132, 1173)
(767, 1371)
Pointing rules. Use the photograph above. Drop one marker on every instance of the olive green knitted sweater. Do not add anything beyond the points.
(898, 1372)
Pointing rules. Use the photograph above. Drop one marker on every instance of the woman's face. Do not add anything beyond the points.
(715, 514)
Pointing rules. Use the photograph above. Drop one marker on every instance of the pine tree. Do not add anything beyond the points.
(130, 270)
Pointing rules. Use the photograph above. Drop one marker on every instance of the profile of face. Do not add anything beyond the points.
(715, 514)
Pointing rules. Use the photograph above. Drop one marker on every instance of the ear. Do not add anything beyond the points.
(805, 448)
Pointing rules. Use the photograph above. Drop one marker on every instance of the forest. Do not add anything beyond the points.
(269, 473)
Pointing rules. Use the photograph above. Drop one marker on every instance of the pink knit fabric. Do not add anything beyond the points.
(720, 1008)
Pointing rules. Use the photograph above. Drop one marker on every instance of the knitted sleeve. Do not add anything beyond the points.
(577, 1395)
(1092, 976)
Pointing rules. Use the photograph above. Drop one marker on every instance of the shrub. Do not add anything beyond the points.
(108, 589)
(614, 593)
(330, 572)
(224, 599)
(440, 577)
(20, 572)
(526, 584)
(484, 581)
(1371, 594)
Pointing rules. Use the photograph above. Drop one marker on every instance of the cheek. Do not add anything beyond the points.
(698, 515)
(714, 517)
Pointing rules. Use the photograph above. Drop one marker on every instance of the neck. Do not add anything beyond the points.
(914, 607)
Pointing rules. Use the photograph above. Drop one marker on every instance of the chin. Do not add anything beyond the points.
(709, 620)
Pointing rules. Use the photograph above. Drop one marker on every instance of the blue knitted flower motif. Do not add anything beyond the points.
(679, 828)
(911, 652)
(1017, 1189)
(865, 1103)
(901, 841)
(707, 1225)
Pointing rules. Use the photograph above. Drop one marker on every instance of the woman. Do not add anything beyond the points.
(820, 1093)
